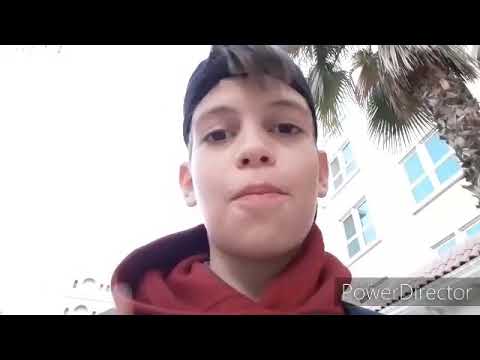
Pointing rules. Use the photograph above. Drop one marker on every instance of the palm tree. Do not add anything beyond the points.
(405, 89)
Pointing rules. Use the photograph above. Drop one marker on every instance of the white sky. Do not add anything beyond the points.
(90, 144)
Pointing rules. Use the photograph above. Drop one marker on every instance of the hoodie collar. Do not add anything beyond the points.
(168, 276)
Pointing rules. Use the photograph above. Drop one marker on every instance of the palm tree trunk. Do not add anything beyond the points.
(457, 115)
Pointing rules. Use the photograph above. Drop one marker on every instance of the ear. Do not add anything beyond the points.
(186, 184)
(322, 174)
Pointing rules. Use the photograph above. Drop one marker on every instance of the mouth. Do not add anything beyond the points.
(260, 196)
(259, 189)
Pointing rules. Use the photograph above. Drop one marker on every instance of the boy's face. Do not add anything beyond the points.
(246, 133)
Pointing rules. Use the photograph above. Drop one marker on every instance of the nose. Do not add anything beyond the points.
(255, 152)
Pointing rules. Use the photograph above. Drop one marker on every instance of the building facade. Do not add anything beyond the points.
(391, 214)
(87, 296)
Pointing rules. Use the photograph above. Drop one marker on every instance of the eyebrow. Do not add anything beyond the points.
(218, 110)
(289, 103)
(214, 111)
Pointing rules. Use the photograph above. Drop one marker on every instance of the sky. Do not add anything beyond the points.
(90, 146)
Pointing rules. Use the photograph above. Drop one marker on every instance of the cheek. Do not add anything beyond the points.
(304, 176)
(208, 183)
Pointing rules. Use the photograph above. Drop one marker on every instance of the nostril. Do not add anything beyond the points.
(245, 162)
(264, 159)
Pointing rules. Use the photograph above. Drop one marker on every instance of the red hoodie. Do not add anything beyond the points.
(169, 276)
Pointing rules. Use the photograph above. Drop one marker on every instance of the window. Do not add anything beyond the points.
(451, 243)
(343, 166)
(368, 230)
(88, 281)
(421, 184)
(348, 160)
(351, 235)
(336, 173)
(88, 284)
(474, 230)
(430, 167)
(80, 310)
(443, 157)
(446, 247)
(359, 230)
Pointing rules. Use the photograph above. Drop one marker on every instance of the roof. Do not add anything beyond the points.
(463, 254)
(111, 311)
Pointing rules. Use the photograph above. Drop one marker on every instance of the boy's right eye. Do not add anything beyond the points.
(217, 136)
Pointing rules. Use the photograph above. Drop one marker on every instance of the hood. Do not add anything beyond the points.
(169, 276)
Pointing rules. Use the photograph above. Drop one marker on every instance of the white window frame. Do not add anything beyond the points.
(429, 169)
(364, 247)
(443, 242)
(468, 226)
(342, 168)
(460, 235)
(80, 309)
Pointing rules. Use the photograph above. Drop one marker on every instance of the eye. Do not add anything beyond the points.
(287, 129)
(217, 136)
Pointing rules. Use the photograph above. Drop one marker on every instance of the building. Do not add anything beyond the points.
(87, 296)
(393, 215)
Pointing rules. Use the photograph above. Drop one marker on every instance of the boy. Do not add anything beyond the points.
(255, 172)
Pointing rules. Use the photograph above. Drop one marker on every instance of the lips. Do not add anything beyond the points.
(258, 189)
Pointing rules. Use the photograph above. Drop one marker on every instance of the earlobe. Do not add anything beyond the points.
(186, 184)
(322, 174)
(190, 199)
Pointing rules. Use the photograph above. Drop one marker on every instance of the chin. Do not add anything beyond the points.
(260, 242)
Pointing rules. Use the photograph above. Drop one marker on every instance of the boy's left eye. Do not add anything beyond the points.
(286, 128)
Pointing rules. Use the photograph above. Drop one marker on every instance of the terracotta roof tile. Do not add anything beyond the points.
(466, 252)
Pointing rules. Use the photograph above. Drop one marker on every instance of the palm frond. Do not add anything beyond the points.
(400, 65)
(320, 55)
(330, 84)
(399, 61)
(395, 63)
(366, 61)
(329, 89)
(389, 130)
(292, 50)
(457, 59)
(391, 85)
(300, 52)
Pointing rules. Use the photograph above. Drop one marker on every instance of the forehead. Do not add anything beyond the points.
(259, 92)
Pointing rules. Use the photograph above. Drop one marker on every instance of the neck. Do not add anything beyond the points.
(248, 276)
